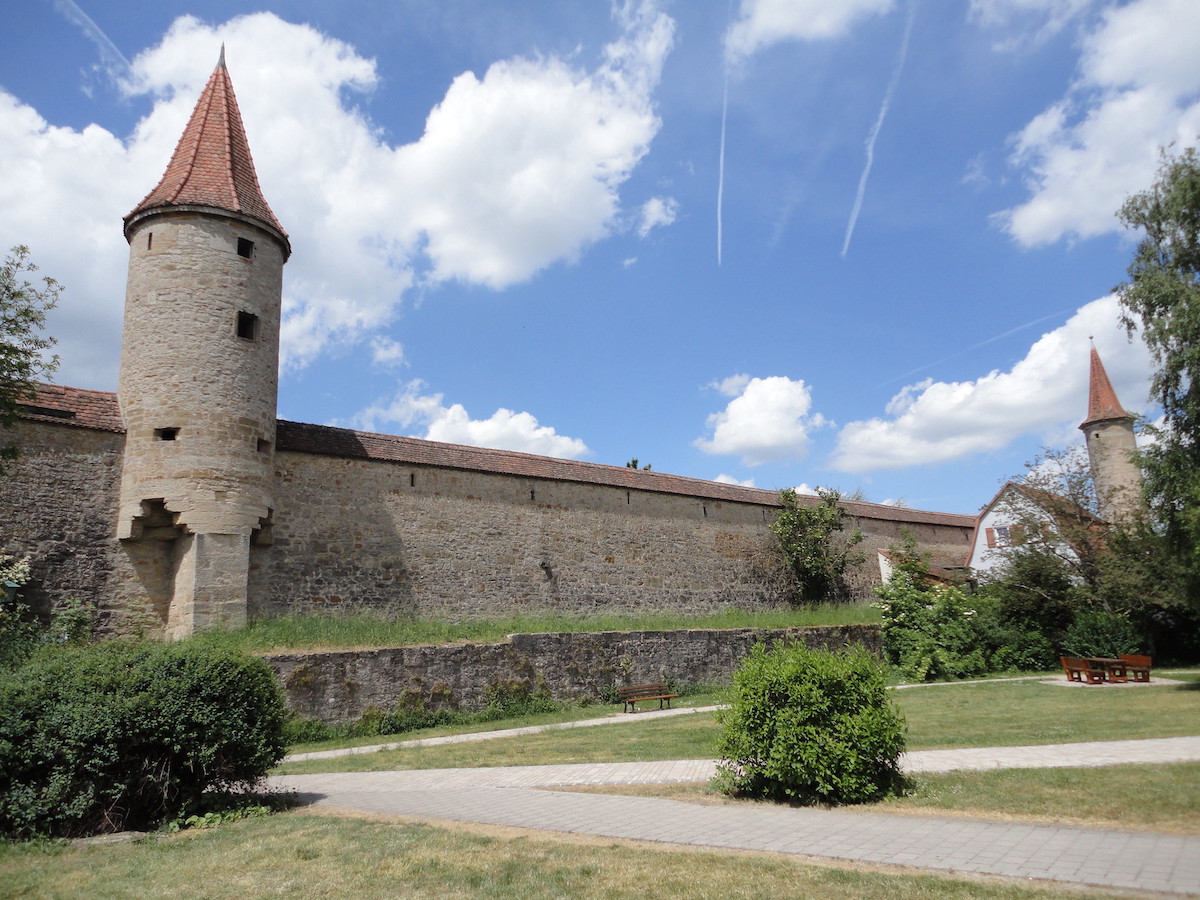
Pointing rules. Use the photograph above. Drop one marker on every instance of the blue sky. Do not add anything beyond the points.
(859, 245)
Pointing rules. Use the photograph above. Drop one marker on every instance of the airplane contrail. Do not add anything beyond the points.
(109, 54)
(983, 343)
(721, 166)
(875, 129)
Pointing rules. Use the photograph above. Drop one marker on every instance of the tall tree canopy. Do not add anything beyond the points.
(1162, 301)
(23, 307)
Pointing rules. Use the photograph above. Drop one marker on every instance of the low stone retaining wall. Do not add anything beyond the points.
(339, 686)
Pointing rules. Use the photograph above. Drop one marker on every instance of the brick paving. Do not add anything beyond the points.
(1128, 860)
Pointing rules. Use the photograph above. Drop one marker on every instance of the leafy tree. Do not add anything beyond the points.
(1162, 301)
(633, 464)
(1055, 513)
(1066, 562)
(23, 307)
(908, 558)
(814, 546)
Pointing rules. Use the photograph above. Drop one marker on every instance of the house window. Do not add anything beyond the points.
(247, 326)
(1003, 536)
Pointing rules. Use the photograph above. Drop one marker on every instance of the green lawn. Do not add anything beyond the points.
(1002, 713)
(302, 856)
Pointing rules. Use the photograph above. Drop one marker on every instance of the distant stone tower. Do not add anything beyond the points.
(199, 372)
(1108, 430)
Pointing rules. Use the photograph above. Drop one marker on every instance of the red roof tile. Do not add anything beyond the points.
(212, 165)
(73, 406)
(415, 451)
(1102, 399)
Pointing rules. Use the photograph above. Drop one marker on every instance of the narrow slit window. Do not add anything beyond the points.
(166, 434)
(149, 239)
(247, 326)
(245, 248)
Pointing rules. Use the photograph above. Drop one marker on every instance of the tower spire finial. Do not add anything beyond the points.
(221, 61)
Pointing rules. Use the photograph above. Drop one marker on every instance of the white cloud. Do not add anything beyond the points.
(387, 353)
(768, 419)
(729, 479)
(515, 171)
(1030, 22)
(657, 212)
(503, 430)
(1136, 90)
(761, 23)
(940, 421)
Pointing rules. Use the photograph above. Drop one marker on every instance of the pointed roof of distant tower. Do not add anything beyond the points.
(212, 165)
(1102, 399)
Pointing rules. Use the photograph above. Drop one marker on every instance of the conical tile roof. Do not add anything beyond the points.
(1102, 399)
(212, 165)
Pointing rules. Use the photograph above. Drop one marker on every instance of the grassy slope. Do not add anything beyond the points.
(361, 631)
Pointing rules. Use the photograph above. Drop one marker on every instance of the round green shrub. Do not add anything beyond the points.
(129, 735)
(810, 726)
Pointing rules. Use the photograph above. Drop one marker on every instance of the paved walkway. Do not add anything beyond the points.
(1141, 861)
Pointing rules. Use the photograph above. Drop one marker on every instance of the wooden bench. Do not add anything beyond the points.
(1137, 666)
(630, 694)
(1081, 670)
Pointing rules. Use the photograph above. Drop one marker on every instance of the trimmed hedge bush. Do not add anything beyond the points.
(130, 735)
(810, 726)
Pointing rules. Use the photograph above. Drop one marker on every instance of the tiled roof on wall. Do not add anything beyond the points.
(99, 410)
(73, 406)
(414, 451)
(212, 165)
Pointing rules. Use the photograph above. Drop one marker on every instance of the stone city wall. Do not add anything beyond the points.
(338, 687)
(407, 539)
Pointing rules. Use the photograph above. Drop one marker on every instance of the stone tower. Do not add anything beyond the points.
(199, 372)
(1108, 430)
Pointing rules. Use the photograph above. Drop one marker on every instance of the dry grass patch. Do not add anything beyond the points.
(303, 856)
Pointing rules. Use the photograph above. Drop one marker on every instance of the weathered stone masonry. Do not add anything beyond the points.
(340, 687)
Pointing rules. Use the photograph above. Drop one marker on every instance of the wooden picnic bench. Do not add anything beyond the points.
(1138, 666)
(630, 694)
(1082, 670)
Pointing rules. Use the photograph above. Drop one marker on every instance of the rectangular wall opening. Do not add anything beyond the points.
(245, 248)
(166, 434)
(247, 326)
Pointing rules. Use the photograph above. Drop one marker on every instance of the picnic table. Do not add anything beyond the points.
(1107, 670)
